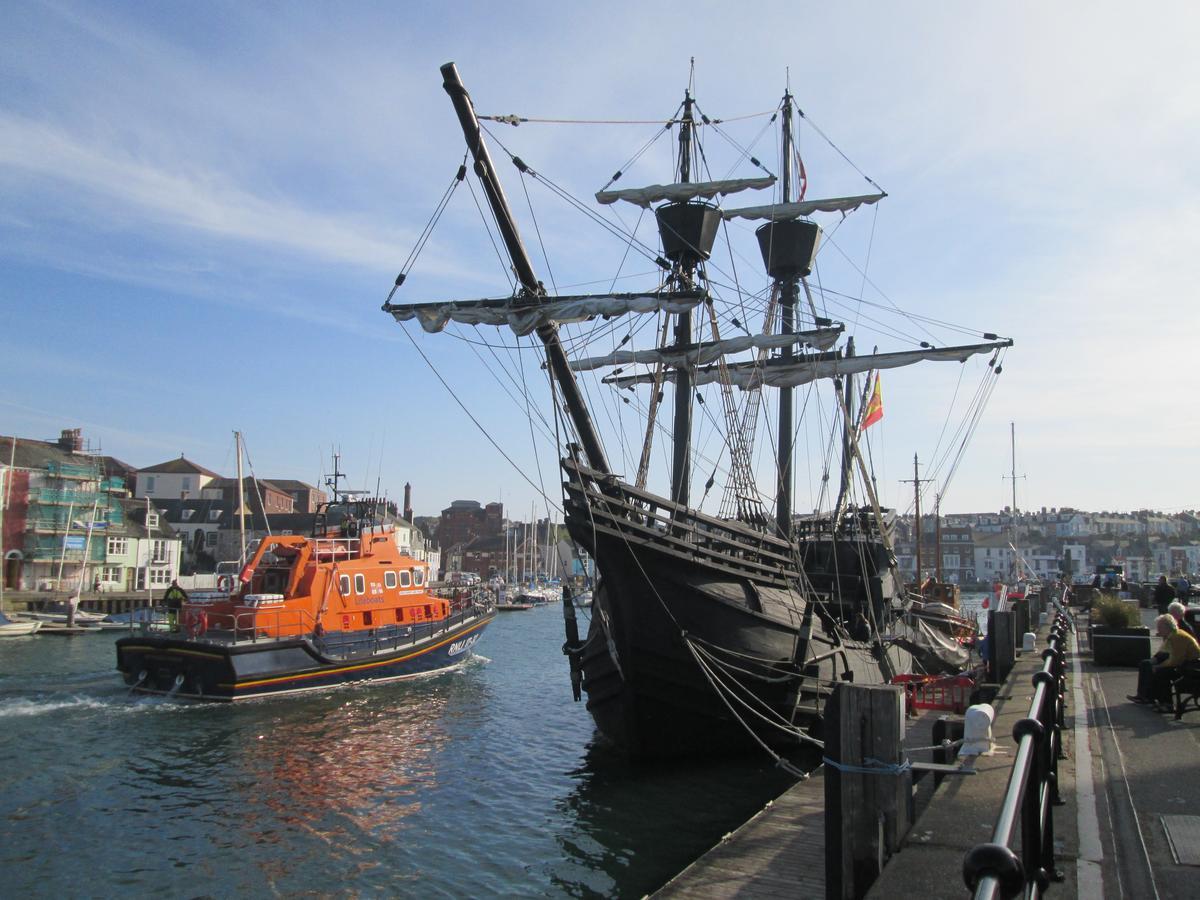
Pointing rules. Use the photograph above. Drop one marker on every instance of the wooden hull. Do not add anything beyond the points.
(693, 620)
(210, 669)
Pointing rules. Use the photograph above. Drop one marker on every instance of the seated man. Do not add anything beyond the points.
(1178, 610)
(1154, 675)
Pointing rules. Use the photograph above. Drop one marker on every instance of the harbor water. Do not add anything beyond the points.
(484, 781)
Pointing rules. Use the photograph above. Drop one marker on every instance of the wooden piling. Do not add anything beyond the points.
(868, 795)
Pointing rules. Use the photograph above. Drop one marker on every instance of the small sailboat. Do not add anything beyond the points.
(712, 629)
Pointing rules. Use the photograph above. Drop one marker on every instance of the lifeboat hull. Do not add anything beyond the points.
(212, 670)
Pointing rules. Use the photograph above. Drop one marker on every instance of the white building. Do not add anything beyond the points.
(176, 479)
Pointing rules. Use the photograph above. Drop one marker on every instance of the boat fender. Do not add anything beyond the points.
(199, 623)
(224, 583)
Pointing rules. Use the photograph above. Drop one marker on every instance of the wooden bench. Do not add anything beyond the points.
(1185, 687)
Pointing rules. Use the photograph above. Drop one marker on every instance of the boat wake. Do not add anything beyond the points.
(27, 707)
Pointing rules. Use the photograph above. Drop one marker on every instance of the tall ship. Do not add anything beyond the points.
(720, 619)
(346, 603)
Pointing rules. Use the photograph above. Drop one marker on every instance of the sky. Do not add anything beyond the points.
(203, 206)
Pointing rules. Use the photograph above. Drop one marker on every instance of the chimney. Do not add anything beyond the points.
(71, 440)
(408, 513)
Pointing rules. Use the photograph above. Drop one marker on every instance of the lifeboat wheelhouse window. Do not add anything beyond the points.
(418, 577)
(389, 579)
(344, 585)
(360, 584)
(405, 579)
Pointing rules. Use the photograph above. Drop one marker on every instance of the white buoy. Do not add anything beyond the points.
(1029, 642)
(977, 730)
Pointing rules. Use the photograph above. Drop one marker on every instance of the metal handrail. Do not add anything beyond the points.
(256, 626)
(993, 869)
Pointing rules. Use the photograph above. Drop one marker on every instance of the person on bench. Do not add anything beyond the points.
(1155, 674)
(1179, 610)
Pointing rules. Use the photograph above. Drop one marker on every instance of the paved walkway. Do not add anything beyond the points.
(1126, 769)
(1146, 766)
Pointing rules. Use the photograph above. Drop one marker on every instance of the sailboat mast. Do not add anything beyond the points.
(917, 496)
(787, 296)
(237, 440)
(682, 427)
(1013, 443)
(556, 357)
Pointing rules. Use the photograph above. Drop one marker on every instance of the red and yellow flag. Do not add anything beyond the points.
(874, 411)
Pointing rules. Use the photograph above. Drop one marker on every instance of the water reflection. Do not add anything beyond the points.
(633, 827)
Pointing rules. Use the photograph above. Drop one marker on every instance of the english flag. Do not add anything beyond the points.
(874, 411)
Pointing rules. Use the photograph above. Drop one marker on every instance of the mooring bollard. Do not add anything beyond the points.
(868, 786)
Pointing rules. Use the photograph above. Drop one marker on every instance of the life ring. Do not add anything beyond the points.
(224, 583)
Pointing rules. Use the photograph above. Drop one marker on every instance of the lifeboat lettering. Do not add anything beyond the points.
(462, 646)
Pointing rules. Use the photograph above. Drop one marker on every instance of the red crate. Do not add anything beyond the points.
(945, 692)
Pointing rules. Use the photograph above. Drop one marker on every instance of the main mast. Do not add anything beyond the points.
(682, 430)
(788, 293)
(787, 244)
(556, 357)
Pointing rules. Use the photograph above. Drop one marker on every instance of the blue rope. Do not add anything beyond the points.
(871, 767)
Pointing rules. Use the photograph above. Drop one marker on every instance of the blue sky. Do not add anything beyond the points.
(202, 207)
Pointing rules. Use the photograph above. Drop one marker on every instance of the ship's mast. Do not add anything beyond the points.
(787, 296)
(847, 436)
(682, 430)
(937, 531)
(556, 357)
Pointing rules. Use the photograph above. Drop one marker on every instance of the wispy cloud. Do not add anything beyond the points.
(202, 200)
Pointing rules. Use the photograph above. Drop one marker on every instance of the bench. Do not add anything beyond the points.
(1186, 688)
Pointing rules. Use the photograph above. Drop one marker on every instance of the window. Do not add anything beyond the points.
(405, 579)
(344, 585)
(160, 577)
(152, 520)
(149, 483)
(187, 484)
(368, 619)
(210, 539)
(158, 551)
(187, 514)
(360, 584)
(111, 574)
(418, 577)
(389, 579)
(118, 546)
(214, 515)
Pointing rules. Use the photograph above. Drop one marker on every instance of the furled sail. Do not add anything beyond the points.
(526, 314)
(691, 190)
(781, 211)
(700, 354)
(802, 370)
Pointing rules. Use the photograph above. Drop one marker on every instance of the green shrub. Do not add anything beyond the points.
(1115, 613)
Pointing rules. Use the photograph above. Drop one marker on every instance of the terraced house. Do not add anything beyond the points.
(70, 523)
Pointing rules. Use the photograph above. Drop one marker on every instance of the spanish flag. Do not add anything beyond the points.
(874, 411)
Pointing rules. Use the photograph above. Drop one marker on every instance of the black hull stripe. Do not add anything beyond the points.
(320, 673)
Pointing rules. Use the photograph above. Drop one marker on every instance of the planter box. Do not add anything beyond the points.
(1120, 646)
